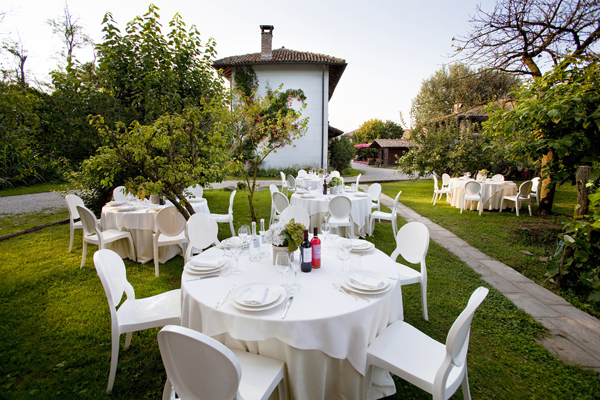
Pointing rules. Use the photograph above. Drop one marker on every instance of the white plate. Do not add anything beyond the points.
(361, 194)
(198, 267)
(358, 244)
(191, 271)
(360, 291)
(239, 306)
(115, 203)
(273, 293)
(200, 200)
(308, 196)
(128, 208)
(358, 286)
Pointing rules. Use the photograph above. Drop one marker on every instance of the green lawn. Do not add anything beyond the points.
(56, 325)
(41, 188)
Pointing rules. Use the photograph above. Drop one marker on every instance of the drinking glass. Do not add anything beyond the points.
(325, 227)
(243, 234)
(353, 187)
(333, 236)
(236, 250)
(226, 271)
(343, 253)
(295, 260)
(282, 264)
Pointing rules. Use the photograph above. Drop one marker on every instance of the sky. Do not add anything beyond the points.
(390, 46)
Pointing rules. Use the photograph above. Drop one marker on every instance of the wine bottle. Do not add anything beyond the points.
(254, 245)
(315, 244)
(324, 186)
(305, 251)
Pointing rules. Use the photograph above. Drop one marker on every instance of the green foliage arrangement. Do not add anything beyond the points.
(283, 234)
(335, 181)
(341, 153)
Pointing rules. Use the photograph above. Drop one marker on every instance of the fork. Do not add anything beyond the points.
(339, 289)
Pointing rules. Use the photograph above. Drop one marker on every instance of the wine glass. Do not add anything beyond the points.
(236, 250)
(343, 253)
(226, 271)
(295, 260)
(243, 234)
(333, 235)
(282, 264)
(325, 227)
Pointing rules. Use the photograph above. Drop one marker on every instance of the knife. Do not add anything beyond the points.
(220, 303)
(287, 307)
(203, 277)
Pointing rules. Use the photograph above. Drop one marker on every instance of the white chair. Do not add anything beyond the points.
(291, 181)
(302, 173)
(523, 195)
(534, 190)
(375, 192)
(335, 174)
(426, 363)
(134, 314)
(357, 182)
(473, 193)
(202, 231)
(412, 243)
(340, 208)
(199, 367)
(92, 233)
(284, 184)
(280, 202)
(445, 181)
(437, 192)
(72, 202)
(272, 189)
(498, 178)
(296, 213)
(225, 218)
(170, 230)
(120, 193)
(196, 191)
(379, 215)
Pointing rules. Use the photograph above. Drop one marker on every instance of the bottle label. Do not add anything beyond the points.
(316, 251)
(306, 255)
(255, 241)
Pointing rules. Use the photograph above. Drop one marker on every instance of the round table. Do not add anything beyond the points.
(310, 182)
(318, 208)
(324, 338)
(491, 192)
(141, 223)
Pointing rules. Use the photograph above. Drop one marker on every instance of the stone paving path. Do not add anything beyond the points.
(574, 335)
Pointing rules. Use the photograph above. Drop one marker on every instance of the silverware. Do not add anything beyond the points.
(220, 303)
(287, 307)
(339, 289)
(203, 277)
(356, 295)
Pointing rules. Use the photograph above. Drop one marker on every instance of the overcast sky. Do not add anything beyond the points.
(390, 46)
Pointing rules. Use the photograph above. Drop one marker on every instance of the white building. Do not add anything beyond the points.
(316, 74)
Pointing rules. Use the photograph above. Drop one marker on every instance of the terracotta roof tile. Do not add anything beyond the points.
(280, 56)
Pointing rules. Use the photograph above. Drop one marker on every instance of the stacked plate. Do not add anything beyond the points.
(361, 194)
(361, 246)
(126, 208)
(366, 282)
(308, 195)
(257, 296)
(205, 265)
(116, 203)
(197, 200)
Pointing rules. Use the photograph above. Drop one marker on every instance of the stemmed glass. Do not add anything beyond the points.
(333, 235)
(236, 250)
(325, 227)
(295, 261)
(243, 234)
(282, 264)
(226, 271)
(343, 253)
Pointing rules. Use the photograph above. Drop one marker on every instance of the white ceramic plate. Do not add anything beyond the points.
(308, 196)
(281, 299)
(361, 194)
(358, 244)
(273, 293)
(358, 286)
(115, 203)
(194, 263)
(187, 268)
(360, 291)
(196, 200)
(128, 208)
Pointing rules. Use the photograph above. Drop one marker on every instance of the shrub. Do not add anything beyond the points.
(341, 153)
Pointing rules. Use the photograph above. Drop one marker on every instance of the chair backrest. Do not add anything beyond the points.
(534, 186)
(88, 220)
(197, 365)
(230, 212)
(358, 180)
(280, 201)
(473, 188)
(170, 222)
(498, 178)
(111, 270)
(525, 189)
(273, 189)
(283, 181)
(335, 174)
(291, 182)
(435, 182)
(302, 172)
(445, 180)
(395, 209)
(457, 343)
(120, 193)
(375, 191)
(412, 243)
(340, 207)
(72, 202)
(196, 191)
(296, 213)
(202, 231)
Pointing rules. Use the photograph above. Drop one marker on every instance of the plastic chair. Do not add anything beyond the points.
(134, 314)
(426, 363)
(437, 192)
(534, 190)
(379, 215)
(92, 233)
(72, 202)
(296, 213)
(335, 174)
(199, 367)
(284, 184)
(498, 178)
(523, 195)
(224, 218)
(195, 191)
(291, 181)
(202, 231)
(375, 192)
(445, 181)
(280, 203)
(120, 193)
(412, 243)
(473, 193)
(170, 230)
(340, 208)
(357, 182)
(302, 173)
(272, 189)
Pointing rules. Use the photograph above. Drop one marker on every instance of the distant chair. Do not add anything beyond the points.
(298, 214)
(445, 181)
(472, 193)
(302, 173)
(522, 196)
(72, 202)
(170, 230)
(357, 182)
(534, 190)
(196, 191)
(201, 231)
(498, 178)
(227, 218)
(335, 174)
(272, 189)
(120, 193)
(280, 203)
(340, 208)
(291, 181)
(284, 184)
(392, 217)
(375, 193)
(437, 192)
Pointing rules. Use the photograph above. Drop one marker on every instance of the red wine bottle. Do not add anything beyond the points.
(305, 251)
(315, 244)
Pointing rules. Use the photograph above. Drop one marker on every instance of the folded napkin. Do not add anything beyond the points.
(256, 295)
(367, 281)
(206, 262)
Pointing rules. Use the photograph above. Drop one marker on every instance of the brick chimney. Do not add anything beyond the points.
(266, 41)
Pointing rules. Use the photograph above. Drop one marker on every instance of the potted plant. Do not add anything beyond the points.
(335, 183)
(285, 236)
(320, 172)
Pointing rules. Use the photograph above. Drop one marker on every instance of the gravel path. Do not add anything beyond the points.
(28, 203)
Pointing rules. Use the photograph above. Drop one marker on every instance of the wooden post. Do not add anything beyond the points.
(581, 178)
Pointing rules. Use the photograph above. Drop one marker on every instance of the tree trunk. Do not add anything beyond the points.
(583, 202)
(546, 190)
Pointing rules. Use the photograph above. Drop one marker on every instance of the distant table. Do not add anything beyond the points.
(310, 182)
(491, 192)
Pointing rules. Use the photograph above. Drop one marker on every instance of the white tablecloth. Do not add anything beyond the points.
(491, 192)
(323, 326)
(310, 182)
(318, 208)
(141, 222)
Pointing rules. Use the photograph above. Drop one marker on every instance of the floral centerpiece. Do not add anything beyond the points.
(483, 174)
(285, 236)
(335, 181)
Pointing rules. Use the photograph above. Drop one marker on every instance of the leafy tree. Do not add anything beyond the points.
(18, 74)
(341, 153)
(558, 117)
(377, 129)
